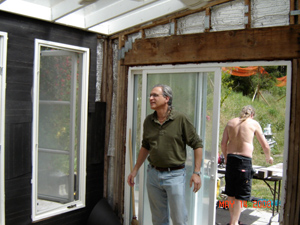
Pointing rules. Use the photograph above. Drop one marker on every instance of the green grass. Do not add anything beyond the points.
(272, 112)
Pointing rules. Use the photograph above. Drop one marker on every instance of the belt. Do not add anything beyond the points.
(168, 168)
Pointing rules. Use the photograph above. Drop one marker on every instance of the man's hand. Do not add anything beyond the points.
(140, 160)
(130, 179)
(197, 182)
(270, 160)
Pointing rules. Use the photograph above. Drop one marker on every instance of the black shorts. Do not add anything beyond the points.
(238, 177)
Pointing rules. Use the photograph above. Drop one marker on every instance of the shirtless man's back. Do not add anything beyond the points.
(238, 137)
(237, 148)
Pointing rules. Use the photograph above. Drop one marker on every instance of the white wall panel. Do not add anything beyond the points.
(270, 13)
(193, 23)
(228, 16)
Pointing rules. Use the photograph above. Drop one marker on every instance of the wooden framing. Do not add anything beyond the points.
(277, 43)
(106, 96)
(120, 134)
(250, 44)
(292, 205)
(120, 123)
(208, 14)
(248, 14)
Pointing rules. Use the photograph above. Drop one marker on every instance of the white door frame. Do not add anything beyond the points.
(3, 59)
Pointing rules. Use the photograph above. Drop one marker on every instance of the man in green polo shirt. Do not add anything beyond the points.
(166, 134)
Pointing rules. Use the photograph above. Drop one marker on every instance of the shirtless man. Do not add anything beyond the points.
(237, 148)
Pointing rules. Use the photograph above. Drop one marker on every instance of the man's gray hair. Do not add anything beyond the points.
(167, 92)
(247, 112)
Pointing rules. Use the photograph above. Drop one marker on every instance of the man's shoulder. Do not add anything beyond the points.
(252, 125)
(238, 120)
(150, 117)
(233, 121)
(253, 121)
(256, 124)
(177, 114)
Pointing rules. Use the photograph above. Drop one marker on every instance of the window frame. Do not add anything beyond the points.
(80, 203)
(3, 60)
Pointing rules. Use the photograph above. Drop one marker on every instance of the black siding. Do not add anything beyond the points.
(22, 33)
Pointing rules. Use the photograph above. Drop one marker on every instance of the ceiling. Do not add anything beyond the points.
(101, 16)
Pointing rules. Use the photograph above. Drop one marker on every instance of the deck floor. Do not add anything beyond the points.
(248, 216)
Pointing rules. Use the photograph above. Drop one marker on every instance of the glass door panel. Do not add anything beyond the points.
(136, 135)
(209, 117)
(184, 86)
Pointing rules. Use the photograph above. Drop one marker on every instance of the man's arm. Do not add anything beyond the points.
(140, 160)
(196, 178)
(264, 144)
(224, 142)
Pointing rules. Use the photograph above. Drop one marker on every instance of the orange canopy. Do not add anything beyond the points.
(252, 70)
(281, 81)
(244, 72)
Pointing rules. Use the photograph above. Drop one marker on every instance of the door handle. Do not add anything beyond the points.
(210, 165)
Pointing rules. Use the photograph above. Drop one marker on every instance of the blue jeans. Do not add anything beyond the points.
(166, 190)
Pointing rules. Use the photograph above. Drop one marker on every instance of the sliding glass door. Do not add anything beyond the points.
(196, 93)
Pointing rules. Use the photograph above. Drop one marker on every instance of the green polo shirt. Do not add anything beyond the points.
(167, 142)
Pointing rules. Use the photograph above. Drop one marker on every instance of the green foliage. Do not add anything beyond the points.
(239, 84)
(273, 112)
(248, 85)
(226, 87)
(263, 81)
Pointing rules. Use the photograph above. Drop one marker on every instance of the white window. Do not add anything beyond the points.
(3, 51)
(60, 107)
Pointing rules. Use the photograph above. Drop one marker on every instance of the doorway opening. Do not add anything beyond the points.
(197, 88)
(267, 88)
